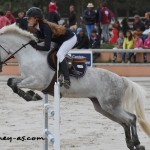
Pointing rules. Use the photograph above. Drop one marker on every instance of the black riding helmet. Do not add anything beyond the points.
(34, 12)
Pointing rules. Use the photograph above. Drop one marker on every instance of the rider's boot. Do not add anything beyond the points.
(65, 71)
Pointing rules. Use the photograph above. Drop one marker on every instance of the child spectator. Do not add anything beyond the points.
(138, 43)
(4, 21)
(95, 44)
(146, 46)
(114, 37)
(119, 45)
(82, 40)
(128, 44)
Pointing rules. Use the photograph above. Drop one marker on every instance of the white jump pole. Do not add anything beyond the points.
(55, 140)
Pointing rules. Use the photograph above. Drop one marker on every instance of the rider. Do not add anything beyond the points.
(44, 31)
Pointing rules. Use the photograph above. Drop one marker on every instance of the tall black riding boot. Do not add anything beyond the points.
(65, 71)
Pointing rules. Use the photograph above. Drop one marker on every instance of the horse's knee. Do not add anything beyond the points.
(10, 81)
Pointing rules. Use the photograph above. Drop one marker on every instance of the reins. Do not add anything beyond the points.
(12, 55)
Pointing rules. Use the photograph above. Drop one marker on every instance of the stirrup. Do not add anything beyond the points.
(66, 84)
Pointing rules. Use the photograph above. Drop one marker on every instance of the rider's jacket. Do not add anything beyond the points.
(44, 32)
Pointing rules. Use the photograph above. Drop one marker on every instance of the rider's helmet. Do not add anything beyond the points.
(34, 12)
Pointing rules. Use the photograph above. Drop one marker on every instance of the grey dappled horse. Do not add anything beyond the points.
(113, 96)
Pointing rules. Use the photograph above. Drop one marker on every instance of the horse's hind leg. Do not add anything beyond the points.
(121, 117)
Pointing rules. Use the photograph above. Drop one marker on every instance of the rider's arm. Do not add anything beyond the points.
(47, 39)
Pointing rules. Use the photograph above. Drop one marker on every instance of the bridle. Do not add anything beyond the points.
(12, 55)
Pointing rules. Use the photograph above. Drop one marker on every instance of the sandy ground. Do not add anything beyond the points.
(81, 127)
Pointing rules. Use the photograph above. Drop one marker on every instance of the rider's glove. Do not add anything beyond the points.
(33, 44)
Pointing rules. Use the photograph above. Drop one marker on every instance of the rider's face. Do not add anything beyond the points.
(32, 21)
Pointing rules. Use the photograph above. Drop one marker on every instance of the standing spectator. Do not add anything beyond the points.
(114, 36)
(128, 44)
(146, 46)
(138, 24)
(119, 45)
(95, 44)
(98, 20)
(53, 15)
(10, 16)
(82, 40)
(72, 19)
(21, 21)
(89, 18)
(105, 21)
(125, 26)
(3, 20)
(147, 21)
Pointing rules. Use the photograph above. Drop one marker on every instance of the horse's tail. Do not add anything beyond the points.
(133, 99)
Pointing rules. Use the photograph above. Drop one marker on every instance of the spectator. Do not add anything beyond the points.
(82, 40)
(21, 21)
(146, 46)
(138, 43)
(89, 18)
(147, 21)
(138, 24)
(10, 16)
(4, 21)
(95, 44)
(119, 45)
(105, 22)
(53, 15)
(125, 26)
(72, 19)
(98, 20)
(128, 44)
(114, 36)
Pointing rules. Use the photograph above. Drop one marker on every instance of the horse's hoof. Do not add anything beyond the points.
(140, 147)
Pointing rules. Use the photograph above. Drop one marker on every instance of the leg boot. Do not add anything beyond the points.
(65, 71)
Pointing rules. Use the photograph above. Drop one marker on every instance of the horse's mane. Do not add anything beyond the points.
(15, 29)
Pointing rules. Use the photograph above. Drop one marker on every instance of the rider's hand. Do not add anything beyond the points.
(33, 43)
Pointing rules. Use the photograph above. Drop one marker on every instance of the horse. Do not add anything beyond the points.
(115, 97)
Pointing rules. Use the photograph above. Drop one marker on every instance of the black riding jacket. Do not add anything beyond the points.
(45, 33)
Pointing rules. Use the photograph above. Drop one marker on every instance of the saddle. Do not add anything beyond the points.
(77, 65)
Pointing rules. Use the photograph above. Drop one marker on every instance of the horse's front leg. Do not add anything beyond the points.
(28, 96)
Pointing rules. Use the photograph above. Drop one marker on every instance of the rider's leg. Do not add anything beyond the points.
(63, 50)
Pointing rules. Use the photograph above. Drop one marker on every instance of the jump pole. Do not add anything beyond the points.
(54, 140)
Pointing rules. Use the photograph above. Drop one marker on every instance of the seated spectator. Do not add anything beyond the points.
(147, 21)
(146, 46)
(119, 45)
(10, 16)
(95, 43)
(82, 40)
(4, 21)
(21, 21)
(138, 24)
(114, 36)
(138, 42)
(53, 15)
(128, 44)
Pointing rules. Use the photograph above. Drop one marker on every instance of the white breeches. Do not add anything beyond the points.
(65, 48)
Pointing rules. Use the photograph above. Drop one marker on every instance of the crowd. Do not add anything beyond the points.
(97, 29)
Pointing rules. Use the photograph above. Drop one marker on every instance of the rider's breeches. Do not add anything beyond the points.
(66, 47)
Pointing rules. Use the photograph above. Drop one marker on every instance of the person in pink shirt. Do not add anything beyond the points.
(138, 43)
(146, 46)
(4, 21)
(10, 16)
